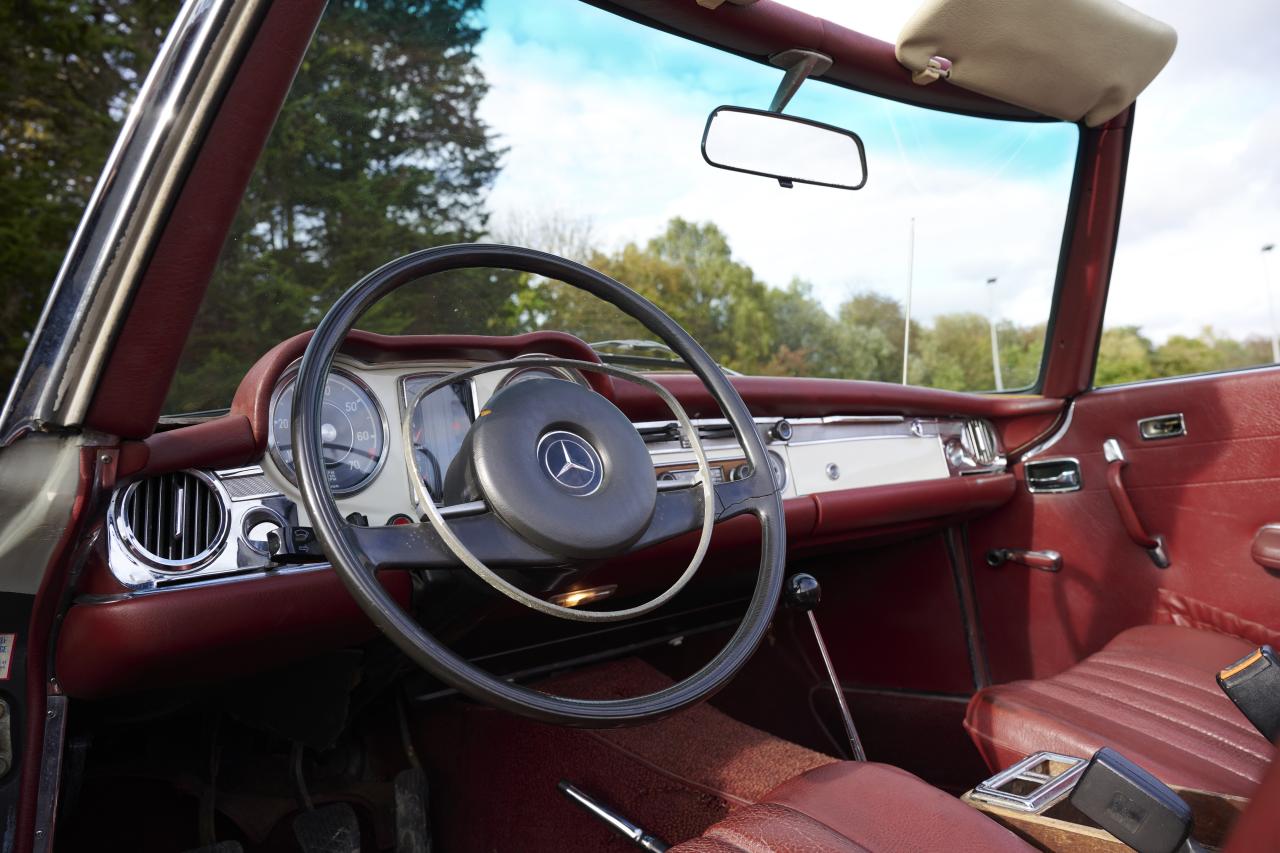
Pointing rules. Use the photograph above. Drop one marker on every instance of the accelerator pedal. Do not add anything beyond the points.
(413, 820)
(328, 829)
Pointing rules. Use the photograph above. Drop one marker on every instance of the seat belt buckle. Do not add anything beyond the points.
(1253, 684)
(1131, 804)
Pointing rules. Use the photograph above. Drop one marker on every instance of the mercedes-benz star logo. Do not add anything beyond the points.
(571, 462)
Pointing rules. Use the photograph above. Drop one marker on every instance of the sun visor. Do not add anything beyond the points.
(1070, 59)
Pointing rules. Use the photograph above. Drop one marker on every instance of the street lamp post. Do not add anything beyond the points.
(1271, 302)
(995, 340)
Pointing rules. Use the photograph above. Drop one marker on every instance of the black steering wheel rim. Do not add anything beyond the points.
(419, 645)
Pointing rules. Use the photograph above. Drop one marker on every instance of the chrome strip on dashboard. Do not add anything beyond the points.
(161, 136)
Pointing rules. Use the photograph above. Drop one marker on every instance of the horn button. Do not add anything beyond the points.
(561, 466)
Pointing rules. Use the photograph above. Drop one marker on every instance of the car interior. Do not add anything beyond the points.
(454, 587)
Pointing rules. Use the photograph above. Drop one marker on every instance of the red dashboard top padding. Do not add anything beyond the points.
(789, 396)
(204, 633)
(240, 437)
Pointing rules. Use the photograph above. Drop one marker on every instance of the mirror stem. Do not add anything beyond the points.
(800, 65)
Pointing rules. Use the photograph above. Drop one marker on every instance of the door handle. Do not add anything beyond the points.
(1116, 463)
(1053, 475)
(1045, 561)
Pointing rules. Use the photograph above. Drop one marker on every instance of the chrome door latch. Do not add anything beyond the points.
(1045, 561)
(1053, 475)
(1162, 426)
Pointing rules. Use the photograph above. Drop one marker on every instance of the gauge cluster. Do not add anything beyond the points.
(439, 424)
(364, 411)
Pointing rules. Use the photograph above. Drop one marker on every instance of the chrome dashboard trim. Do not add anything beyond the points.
(128, 539)
(1055, 437)
(160, 138)
(200, 583)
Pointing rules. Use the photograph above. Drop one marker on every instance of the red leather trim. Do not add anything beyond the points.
(136, 377)
(205, 633)
(885, 505)
(859, 61)
(40, 629)
(1124, 506)
(222, 443)
(1086, 274)
(781, 396)
(1188, 612)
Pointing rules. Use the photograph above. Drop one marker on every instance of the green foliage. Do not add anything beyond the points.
(69, 71)
(380, 151)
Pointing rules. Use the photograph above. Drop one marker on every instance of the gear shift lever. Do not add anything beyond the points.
(803, 592)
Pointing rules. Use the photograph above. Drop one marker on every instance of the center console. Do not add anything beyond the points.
(1034, 799)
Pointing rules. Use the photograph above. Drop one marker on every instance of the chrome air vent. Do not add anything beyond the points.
(979, 440)
(654, 433)
(173, 522)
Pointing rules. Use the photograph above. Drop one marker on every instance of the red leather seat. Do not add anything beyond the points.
(846, 807)
(1150, 693)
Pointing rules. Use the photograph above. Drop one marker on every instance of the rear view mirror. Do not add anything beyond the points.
(790, 149)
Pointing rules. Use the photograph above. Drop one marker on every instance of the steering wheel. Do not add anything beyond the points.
(551, 473)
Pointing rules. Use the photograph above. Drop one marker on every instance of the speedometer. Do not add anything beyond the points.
(352, 432)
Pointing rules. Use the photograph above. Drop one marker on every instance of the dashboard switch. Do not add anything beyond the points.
(781, 430)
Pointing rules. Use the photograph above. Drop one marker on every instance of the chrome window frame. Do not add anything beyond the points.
(143, 176)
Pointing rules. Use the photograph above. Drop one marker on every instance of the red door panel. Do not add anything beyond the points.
(1208, 493)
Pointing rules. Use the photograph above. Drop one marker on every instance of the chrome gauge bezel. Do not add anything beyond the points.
(411, 467)
(290, 375)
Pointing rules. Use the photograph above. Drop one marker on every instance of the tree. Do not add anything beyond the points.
(869, 333)
(688, 270)
(1181, 355)
(70, 70)
(378, 151)
(1124, 355)
(956, 354)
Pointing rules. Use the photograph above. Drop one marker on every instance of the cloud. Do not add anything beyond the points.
(1203, 189)
(603, 121)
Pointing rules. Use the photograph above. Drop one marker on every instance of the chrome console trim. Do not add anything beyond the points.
(159, 140)
(1049, 787)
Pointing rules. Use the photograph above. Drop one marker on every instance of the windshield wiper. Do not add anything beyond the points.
(642, 353)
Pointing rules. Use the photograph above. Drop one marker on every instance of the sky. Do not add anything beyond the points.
(602, 120)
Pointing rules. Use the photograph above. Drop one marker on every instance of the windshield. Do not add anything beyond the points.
(562, 127)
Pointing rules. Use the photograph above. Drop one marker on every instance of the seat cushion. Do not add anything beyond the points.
(850, 806)
(1150, 694)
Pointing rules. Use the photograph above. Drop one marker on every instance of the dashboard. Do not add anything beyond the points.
(201, 524)
(185, 553)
